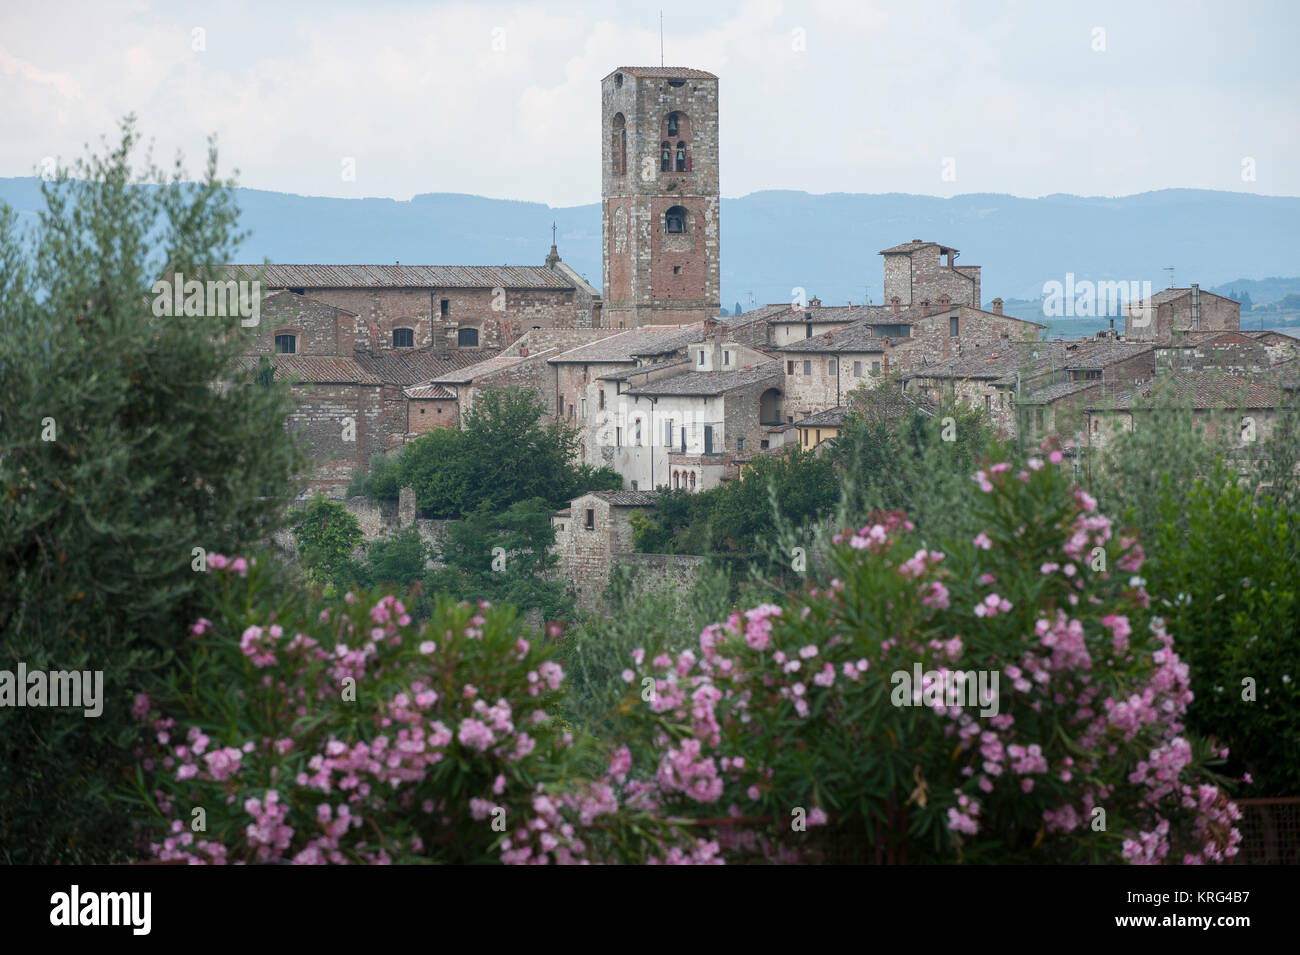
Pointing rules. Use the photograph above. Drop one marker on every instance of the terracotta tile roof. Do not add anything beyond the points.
(1061, 389)
(1205, 390)
(302, 298)
(664, 72)
(315, 369)
(999, 362)
(411, 366)
(1093, 355)
(467, 374)
(831, 417)
(820, 314)
(626, 498)
(627, 346)
(627, 373)
(709, 383)
(856, 339)
(404, 276)
(422, 392)
(913, 246)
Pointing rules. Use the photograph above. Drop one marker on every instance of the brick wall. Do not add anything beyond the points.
(426, 414)
(650, 275)
(320, 328)
(499, 318)
(319, 421)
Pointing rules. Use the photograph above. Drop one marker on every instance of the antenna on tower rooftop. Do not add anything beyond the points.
(661, 38)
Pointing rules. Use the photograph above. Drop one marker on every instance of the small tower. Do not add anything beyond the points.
(659, 195)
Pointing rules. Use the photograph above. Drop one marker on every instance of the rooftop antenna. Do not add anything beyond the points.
(661, 38)
(552, 233)
(1170, 270)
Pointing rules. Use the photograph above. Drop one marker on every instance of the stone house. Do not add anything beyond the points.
(684, 430)
(818, 428)
(501, 372)
(589, 533)
(581, 393)
(797, 324)
(1234, 409)
(920, 271)
(351, 403)
(820, 372)
(1162, 316)
(446, 307)
(1239, 351)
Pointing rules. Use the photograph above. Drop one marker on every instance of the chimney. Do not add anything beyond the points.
(925, 307)
(815, 302)
(1196, 307)
(997, 306)
(894, 304)
(916, 242)
(944, 302)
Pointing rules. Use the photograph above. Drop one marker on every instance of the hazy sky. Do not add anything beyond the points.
(503, 99)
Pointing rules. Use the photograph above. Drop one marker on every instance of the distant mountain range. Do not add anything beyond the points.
(774, 242)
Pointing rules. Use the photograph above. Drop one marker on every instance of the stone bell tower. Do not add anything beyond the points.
(659, 195)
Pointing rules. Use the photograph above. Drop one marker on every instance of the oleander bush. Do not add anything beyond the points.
(845, 702)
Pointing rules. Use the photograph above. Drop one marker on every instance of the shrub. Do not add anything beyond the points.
(1223, 572)
(326, 533)
(804, 707)
(340, 731)
(127, 440)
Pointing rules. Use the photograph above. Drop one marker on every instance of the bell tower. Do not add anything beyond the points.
(659, 195)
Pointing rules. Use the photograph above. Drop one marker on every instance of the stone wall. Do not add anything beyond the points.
(320, 419)
(319, 328)
(499, 316)
(921, 275)
(652, 276)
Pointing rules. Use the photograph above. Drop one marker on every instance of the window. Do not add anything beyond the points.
(665, 158)
(572, 409)
(807, 367)
(584, 409)
(740, 444)
(634, 486)
(692, 480)
(286, 344)
(403, 338)
(675, 220)
(875, 367)
(681, 157)
(832, 367)
(673, 124)
(638, 432)
(726, 358)
(807, 331)
(952, 326)
(988, 403)
(467, 337)
(559, 411)
(619, 145)
(677, 480)
(857, 369)
(668, 433)
(701, 361)
(818, 439)
(618, 437)
(591, 518)
(444, 307)
(789, 368)
(677, 270)
(601, 393)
